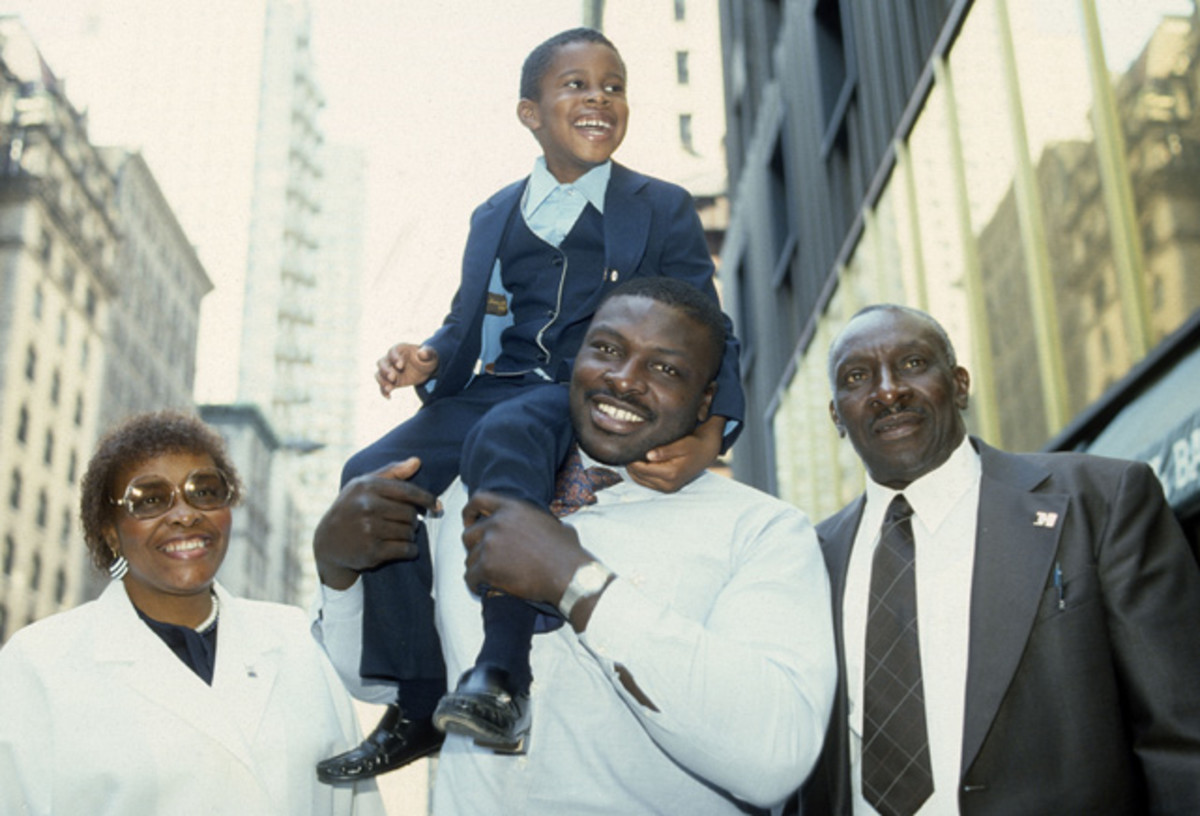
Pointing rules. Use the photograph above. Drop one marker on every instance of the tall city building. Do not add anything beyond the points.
(327, 438)
(279, 331)
(223, 104)
(58, 277)
(178, 83)
(292, 313)
(153, 322)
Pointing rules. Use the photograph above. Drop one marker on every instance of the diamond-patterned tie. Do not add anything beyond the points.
(897, 776)
(576, 485)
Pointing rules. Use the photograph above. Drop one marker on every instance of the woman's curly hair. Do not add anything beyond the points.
(136, 440)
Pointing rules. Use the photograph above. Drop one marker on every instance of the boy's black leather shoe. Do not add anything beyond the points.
(395, 742)
(484, 706)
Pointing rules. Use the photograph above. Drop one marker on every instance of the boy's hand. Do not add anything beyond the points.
(672, 466)
(405, 364)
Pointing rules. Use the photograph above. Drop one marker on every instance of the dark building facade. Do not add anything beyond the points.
(1026, 171)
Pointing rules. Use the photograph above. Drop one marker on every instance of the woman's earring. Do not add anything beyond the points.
(118, 567)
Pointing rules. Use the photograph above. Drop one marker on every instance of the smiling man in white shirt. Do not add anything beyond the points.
(696, 671)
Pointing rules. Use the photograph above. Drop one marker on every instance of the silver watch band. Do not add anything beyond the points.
(587, 581)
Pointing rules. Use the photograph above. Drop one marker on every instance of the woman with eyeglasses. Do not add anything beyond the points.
(168, 695)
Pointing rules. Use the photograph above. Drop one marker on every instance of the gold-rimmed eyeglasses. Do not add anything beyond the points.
(151, 496)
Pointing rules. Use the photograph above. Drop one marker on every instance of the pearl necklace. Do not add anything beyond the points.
(211, 620)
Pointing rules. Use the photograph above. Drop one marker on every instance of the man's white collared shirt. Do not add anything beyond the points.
(945, 511)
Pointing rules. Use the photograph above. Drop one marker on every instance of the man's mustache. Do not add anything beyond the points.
(895, 410)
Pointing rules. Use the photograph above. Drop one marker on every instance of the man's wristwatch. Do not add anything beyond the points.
(587, 581)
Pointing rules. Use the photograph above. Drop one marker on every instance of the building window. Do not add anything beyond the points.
(22, 424)
(30, 363)
(85, 351)
(48, 451)
(3, 622)
(35, 572)
(60, 586)
(68, 279)
(55, 387)
(89, 302)
(682, 74)
(680, 9)
(72, 464)
(685, 132)
(14, 492)
(10, 553)
(79, 410)
(64, 537)
(38, 302)
(41, 509)
(45, 250)
(835, 65)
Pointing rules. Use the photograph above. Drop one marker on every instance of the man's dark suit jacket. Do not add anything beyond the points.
(1092, 708)
(650, 228)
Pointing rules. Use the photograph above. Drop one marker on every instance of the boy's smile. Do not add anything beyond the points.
(581, 117)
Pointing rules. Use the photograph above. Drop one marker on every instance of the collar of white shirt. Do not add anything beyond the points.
(932, 495)
(593, 185)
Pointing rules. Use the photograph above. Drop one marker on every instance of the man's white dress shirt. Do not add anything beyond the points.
(945, 506)
(720, 612)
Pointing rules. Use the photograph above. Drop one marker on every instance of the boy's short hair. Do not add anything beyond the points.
(686, 298)
(539, 59)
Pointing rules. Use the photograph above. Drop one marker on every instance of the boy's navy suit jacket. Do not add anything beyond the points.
(650, 228)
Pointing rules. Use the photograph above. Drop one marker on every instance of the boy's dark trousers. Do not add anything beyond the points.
(520, 431)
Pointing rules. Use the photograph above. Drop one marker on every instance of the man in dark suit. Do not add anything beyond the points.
(1058, 664)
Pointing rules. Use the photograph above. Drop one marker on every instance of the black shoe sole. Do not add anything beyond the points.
(460, 720)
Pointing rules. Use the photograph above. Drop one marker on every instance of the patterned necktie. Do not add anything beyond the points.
(576, 485)
(897, 776)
